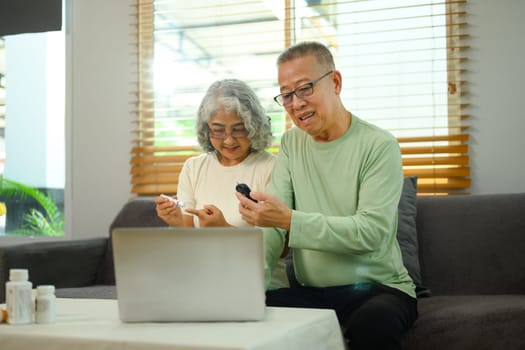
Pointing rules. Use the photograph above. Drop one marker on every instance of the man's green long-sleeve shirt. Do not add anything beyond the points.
(344, 197)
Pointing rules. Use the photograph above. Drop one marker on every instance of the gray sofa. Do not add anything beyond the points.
(471, 261)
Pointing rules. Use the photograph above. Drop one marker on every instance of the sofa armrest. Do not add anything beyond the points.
(62, 264)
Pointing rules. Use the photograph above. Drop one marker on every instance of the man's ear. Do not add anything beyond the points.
(337, 78)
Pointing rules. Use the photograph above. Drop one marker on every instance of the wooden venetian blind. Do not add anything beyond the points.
(401, 63)
(439, 155)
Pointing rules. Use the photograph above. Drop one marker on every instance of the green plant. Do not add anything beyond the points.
(50, 223)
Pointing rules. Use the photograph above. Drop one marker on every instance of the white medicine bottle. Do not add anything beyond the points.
(19, 301)
(45, 301)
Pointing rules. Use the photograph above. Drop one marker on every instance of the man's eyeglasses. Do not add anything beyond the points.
(301, 92)
(222, 134)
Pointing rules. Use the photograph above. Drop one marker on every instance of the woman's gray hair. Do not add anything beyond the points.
(234, 96)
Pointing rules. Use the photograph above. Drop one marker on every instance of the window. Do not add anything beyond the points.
(32, 137)
(400, 61)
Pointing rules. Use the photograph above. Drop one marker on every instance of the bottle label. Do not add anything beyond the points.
(45, 309)
(42, 305)
(19, 305)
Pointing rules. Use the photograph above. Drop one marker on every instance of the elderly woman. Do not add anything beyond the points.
(234, 131)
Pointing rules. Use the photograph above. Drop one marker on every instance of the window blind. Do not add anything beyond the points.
(401, 62)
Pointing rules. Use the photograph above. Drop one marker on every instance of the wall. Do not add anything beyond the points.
(102, 77)
(497, 79)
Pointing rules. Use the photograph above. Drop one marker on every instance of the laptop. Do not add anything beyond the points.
(189, 274)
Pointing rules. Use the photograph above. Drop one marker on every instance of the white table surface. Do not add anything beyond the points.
(94, 324)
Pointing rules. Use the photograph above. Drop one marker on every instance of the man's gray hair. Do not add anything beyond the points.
(308, 48)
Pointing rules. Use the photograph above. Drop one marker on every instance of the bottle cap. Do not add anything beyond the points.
(45, 289)
(18, 274)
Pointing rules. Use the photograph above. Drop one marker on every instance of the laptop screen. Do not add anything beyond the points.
(189, 274)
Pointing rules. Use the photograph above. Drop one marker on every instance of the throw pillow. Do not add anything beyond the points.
(407, 234)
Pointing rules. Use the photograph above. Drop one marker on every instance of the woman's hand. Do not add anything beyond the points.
(210, 215)
(168, 211)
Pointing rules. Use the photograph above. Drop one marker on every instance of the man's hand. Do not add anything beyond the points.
(269, 211)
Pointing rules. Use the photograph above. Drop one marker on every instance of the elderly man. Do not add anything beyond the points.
(332, 201)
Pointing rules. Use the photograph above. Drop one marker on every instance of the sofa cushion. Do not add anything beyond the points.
(407, 233)
(468, 322)
(139, 212)
(472, 244)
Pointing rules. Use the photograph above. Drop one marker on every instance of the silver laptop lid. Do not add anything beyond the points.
(189, 274)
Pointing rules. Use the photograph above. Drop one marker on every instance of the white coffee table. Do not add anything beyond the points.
(94, 324)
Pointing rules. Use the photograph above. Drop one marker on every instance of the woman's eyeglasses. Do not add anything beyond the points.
(222, 134)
